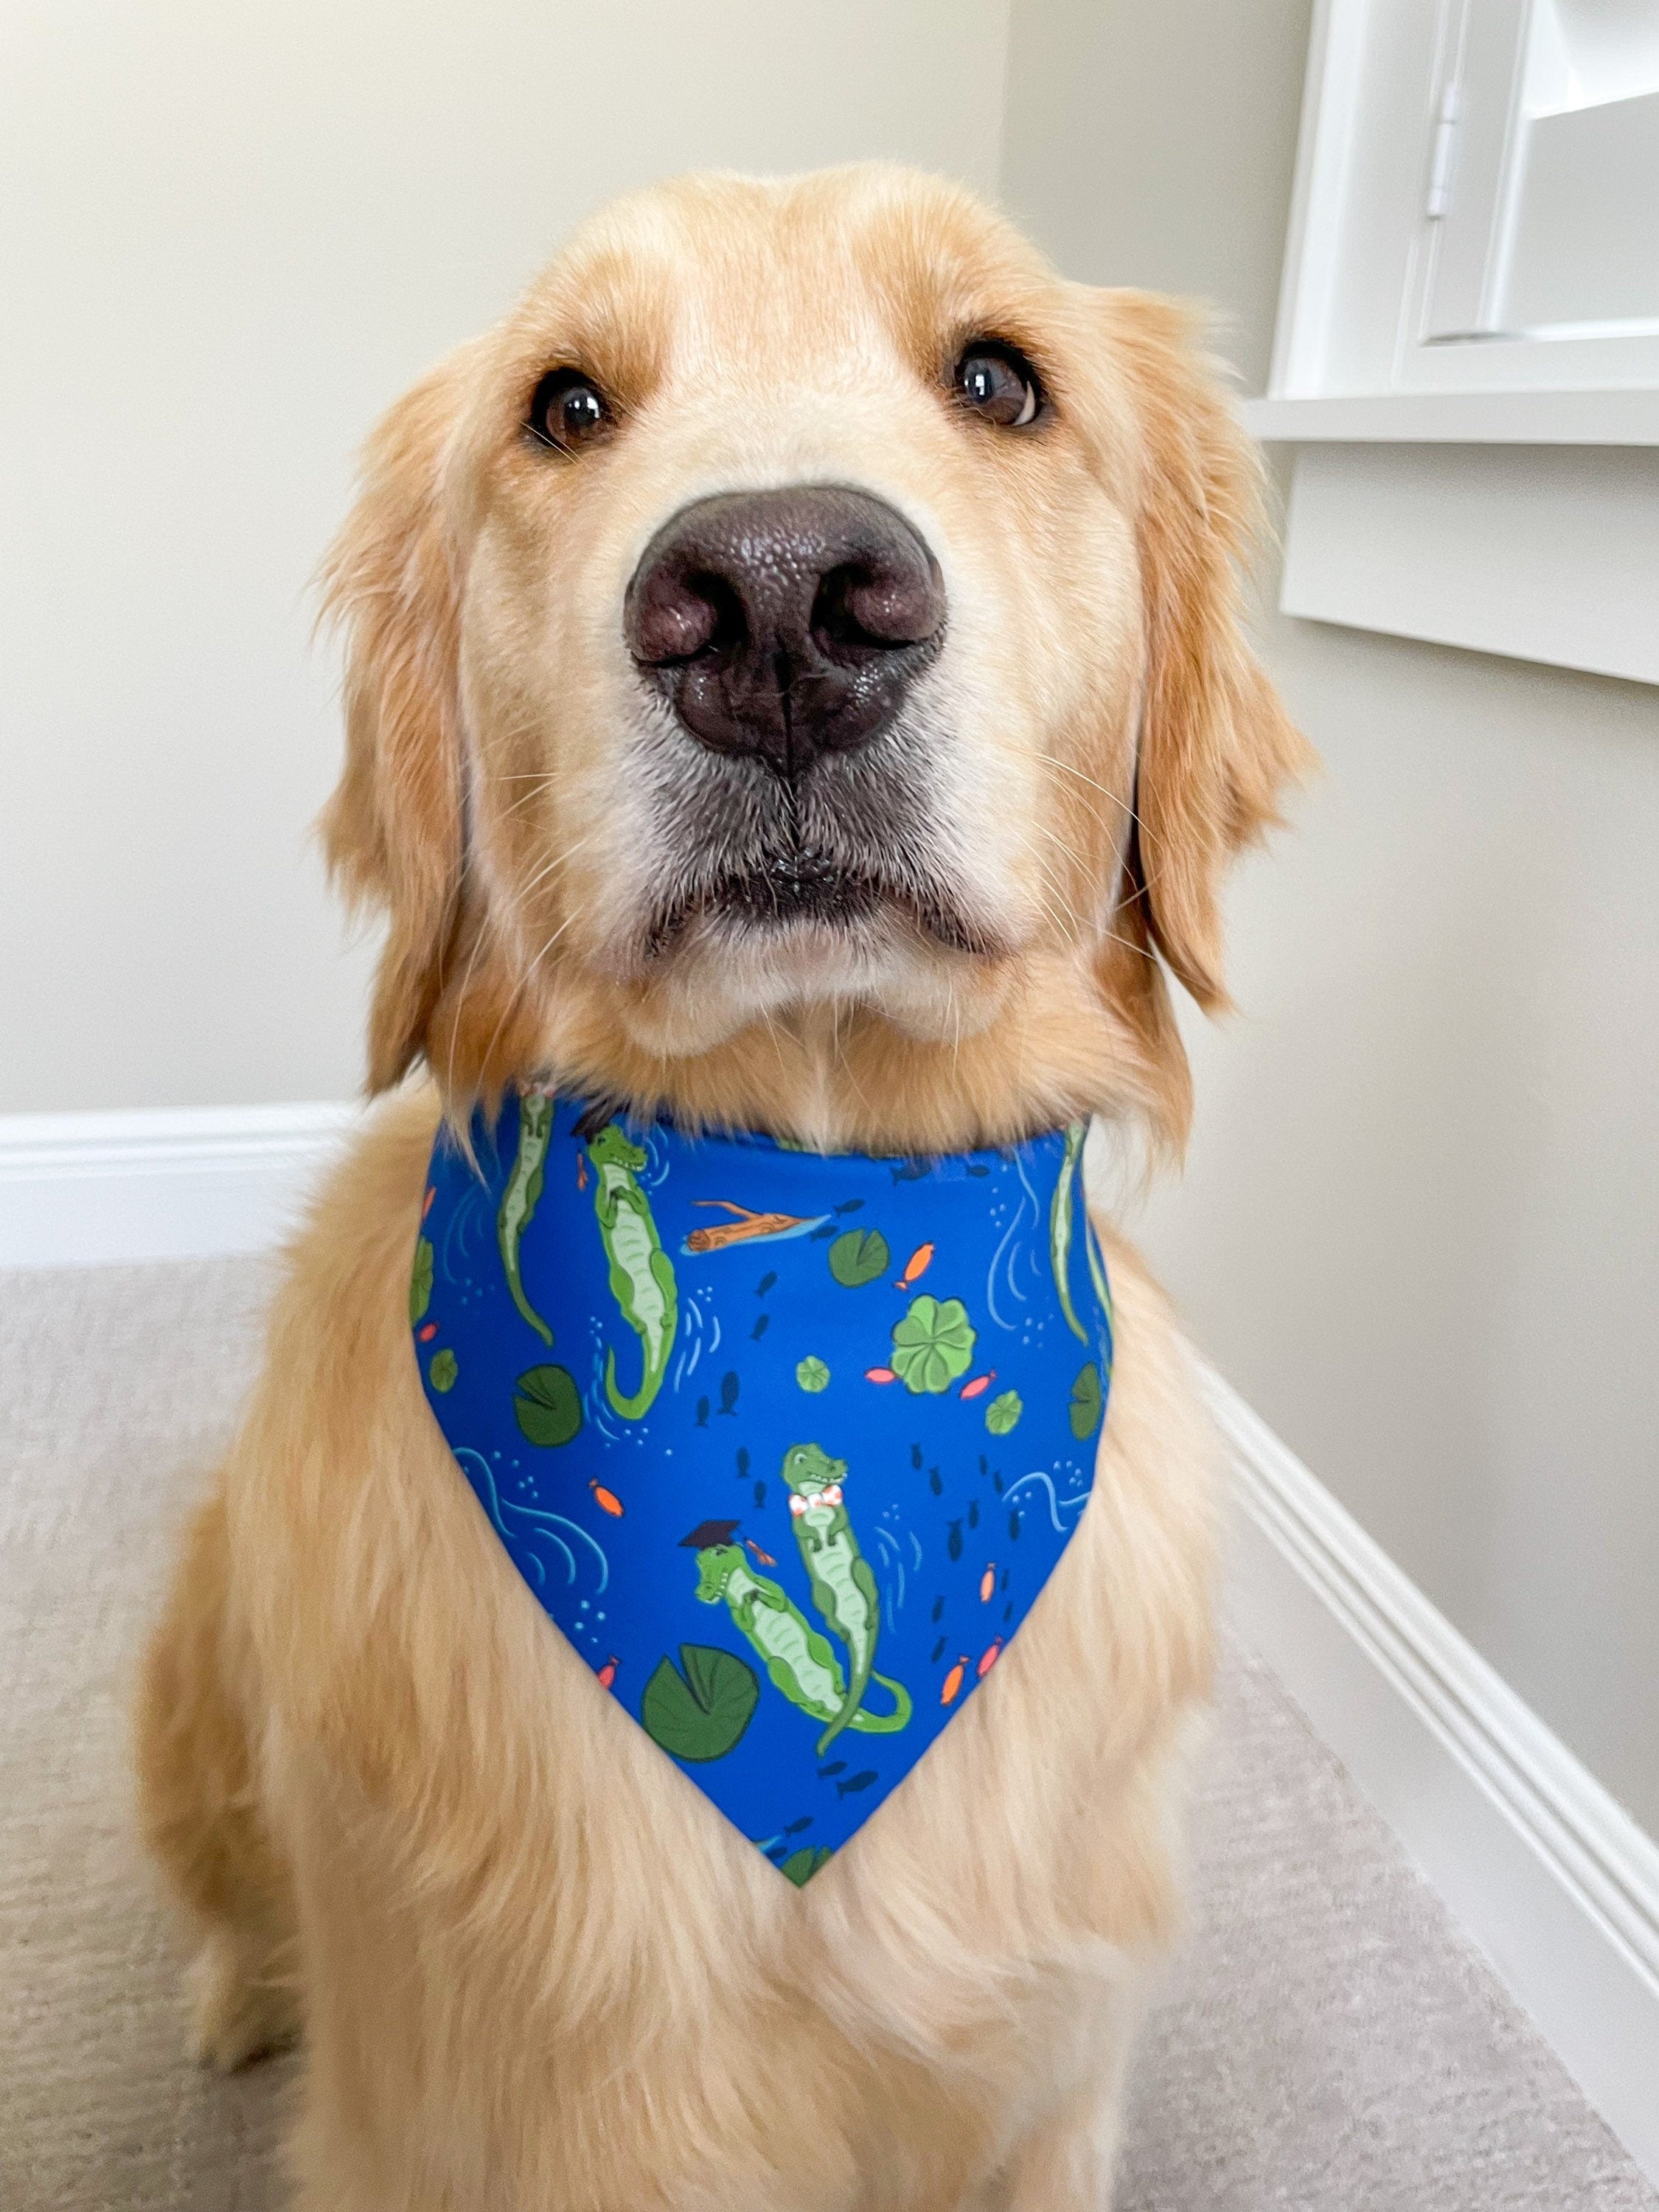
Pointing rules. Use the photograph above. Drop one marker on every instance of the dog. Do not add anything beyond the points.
(794, 683)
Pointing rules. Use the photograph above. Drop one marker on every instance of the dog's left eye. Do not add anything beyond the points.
(999, 384)
(567, 409)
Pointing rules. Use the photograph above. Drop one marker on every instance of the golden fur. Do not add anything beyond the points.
(534, 1966)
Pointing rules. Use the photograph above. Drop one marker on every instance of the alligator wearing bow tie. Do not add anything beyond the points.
(843, 1586)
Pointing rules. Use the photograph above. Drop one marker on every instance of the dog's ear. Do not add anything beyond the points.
(393, 831)
(1216, 747)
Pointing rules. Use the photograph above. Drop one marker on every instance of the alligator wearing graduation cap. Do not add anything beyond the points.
(798, 1658)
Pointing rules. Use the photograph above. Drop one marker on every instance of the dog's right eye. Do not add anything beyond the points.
(567, 409)
(998, 383)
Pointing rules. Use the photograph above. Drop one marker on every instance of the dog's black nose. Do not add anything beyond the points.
(785, 624)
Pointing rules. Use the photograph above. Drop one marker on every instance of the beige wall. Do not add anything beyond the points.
(1421, 1224)
(229, 236)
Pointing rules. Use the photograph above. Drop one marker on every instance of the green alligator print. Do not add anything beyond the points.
(843, 1586)
(1103, 1288)
(797, 1659)
(1059, 1227)
(641, 1273)
(522, 1195)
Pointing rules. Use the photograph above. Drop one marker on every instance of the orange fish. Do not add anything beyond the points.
(980, 1384)
(988, 1657)
(606, 1500)
(426, 1203)
(581, 1171)
(988, 1583)
(915, 1266)
(953, 1681)
(428, 1332)
(879, 1375)
(765, 1558)
(608, 1672)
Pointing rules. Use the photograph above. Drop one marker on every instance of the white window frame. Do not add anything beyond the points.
(1358, 266)
(1402, 517)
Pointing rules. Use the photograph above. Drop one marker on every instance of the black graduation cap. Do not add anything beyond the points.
(707, 1533)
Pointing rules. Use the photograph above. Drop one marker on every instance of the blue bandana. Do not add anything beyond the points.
(785, 1444)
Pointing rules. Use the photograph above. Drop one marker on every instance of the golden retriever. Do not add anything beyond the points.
(919, 892)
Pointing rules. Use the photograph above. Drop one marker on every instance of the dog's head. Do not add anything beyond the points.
(794, 675)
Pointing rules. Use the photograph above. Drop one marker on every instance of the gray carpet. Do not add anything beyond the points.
(1326, 2043)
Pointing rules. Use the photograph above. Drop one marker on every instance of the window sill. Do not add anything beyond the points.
(1614, 416)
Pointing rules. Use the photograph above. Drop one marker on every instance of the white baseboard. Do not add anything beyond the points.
(91, 1189)
(1546, 1873)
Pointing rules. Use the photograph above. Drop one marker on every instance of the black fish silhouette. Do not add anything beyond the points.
(743, 1463)
(913, 1170)
(1008, 1610)
(953, 1541)
(938, 1653)
(760, 1493)
(915, 1457)
(795, 1826)
(729, 1392)
(1013, 1523)
(849, 1205)
(997, 1480)
(935, 1481)
(836, 1766)
(765, 1284)
(759, 1329)
(938, 1607)
(972, 1513)
(1006, 1574)
(702, 1412)
(984, 1464)
(976, 1167)
(856, 1782)
(829, 1229)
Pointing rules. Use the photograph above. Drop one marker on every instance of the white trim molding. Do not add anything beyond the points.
(91, 1189)
(1609, 417)
(1546, 1873)
(1545, 553)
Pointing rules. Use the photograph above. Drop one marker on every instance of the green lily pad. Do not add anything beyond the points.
(813, 1375)
(801, 1866)
(701, 1713)
(1085, 1402)
(443, 1370)
(932, 1344)
(860, 1257)
(420, 1283)
(1002, 1411)
(548, 1405)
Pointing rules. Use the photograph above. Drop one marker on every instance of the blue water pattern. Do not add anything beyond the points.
(785, 1444)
